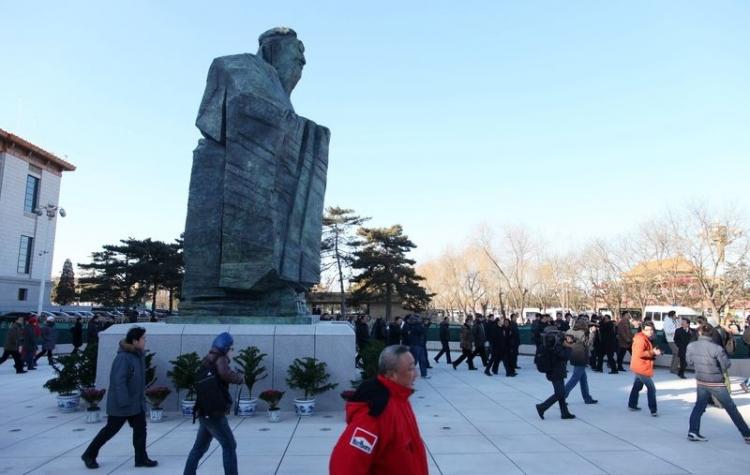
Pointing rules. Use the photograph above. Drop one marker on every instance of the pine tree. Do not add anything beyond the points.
(386, 272)
(65, 292)
(337, 247)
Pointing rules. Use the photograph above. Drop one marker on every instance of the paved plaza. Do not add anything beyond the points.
(471, 424)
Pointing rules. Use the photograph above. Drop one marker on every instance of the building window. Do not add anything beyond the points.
(32, 194)
(23, 294)
(24, 255)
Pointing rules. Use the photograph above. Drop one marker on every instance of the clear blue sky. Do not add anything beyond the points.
(578, 118)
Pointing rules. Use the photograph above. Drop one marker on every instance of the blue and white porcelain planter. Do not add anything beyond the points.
(304, 407)
(68, 402)
(187, 407)
(274, 415)
(93, 415)
(246, 407)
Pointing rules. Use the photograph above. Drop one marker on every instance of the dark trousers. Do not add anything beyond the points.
(621, 357)
(28, 357)
(558, 384)
(683, 362)
(514, 359)
(444, 350)
(114, 424)
(49, 356)
(610, 361)
(216, 427)
(482, 353)
(704, 393)
(638, 384)
(465, 355)
(494, 363)
(420, 356)
(16, 359)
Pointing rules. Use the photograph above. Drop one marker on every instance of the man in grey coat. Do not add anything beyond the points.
(711, 362)
(126, 401)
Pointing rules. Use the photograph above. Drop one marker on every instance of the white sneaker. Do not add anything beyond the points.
(692, 436)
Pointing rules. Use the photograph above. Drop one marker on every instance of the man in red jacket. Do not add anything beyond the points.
(381, 436)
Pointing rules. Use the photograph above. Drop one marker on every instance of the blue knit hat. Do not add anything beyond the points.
(223, 342)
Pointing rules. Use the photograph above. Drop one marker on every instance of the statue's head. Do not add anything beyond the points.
(280, 48)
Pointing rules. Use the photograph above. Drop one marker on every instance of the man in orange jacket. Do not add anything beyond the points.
(382, 436)
(642, 364)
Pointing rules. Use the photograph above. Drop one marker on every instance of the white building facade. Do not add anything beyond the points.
(29, 179)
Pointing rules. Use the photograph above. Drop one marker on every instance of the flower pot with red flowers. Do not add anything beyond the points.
(272, 397)
(156, 396)
(93, 397)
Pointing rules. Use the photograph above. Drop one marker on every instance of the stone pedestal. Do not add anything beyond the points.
(331, 342)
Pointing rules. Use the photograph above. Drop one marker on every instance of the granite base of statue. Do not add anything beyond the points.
(253, 229)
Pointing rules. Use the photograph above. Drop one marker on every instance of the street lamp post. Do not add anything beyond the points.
(51, 211)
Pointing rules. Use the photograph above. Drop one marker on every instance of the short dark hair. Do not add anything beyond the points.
(705, 329)
(672, 313)
(134, 333)
(648, 324)
(686, 319)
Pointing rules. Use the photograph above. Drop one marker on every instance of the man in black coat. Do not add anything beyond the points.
(479, 339)
(607, 345)
(394, 332)
(682, 338)
(444, 332)
(92, 330)
(77, 335)
(557, 352)
(514, 344)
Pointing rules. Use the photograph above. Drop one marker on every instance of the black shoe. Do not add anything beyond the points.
(454, 366)
(568, 416)
(436, 360)
(487, 373)
(23, 371)
(33, 369)
(682, 376)
(597, 371)
(473, 369)
(621, 369)
(636, 408)
(511, 375)
(613, 372)
(147, 463)
(89, 462)
(592, 401)
(540, 411)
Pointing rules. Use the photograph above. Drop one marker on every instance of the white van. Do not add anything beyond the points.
(658, 313)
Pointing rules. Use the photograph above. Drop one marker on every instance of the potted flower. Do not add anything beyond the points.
(182, 374)
(66, 383)
(249, 360)
(93, 397)
(272, 397)
(309, 375)
(156, 396)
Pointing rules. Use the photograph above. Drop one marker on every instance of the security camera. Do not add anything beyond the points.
(62, 212)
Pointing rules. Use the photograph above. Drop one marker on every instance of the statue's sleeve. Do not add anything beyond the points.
(211, 119)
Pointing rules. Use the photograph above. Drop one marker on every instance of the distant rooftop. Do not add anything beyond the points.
(13, 143)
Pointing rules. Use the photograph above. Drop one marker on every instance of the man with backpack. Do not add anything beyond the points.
(212, 405)
(551, 359)
(126, 401)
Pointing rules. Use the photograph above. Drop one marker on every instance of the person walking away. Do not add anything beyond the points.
(378, 330)
(49, 340)
(29, 343)
(212, 406)
(624, 340)
(552, 358)
(77, 335)
(362, 338)
(494, 338)
(537, 327)
(670, 327)
(381, 435)
(444, 332)
(467, 345)
(642, 365)
(682, 338)
(506, 340)
(515, 342)
(92, 330)
(13, 342)
(608, 344)
(579, 357)
(415, 339)
(394, 332)
(745, 385)
(426, 323)
(479, 339)
(711, 362)
(125, 400)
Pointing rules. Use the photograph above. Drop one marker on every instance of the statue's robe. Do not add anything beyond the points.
(255, 207)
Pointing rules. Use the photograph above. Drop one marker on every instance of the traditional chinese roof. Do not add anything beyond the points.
(17, 146)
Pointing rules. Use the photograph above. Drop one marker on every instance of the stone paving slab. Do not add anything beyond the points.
(471, 424)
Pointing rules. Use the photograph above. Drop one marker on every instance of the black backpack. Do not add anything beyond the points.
(212, 394)
(543, 359)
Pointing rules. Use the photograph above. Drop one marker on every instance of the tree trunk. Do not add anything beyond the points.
(341, 277)
(171, 300)
(153, 298)
(388, 298)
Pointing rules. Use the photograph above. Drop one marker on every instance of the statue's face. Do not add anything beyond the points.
(289, 63)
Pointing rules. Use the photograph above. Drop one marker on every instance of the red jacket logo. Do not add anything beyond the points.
(363, 440)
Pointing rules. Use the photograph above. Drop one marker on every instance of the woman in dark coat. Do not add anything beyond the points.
(607, 345)
(77, 335)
